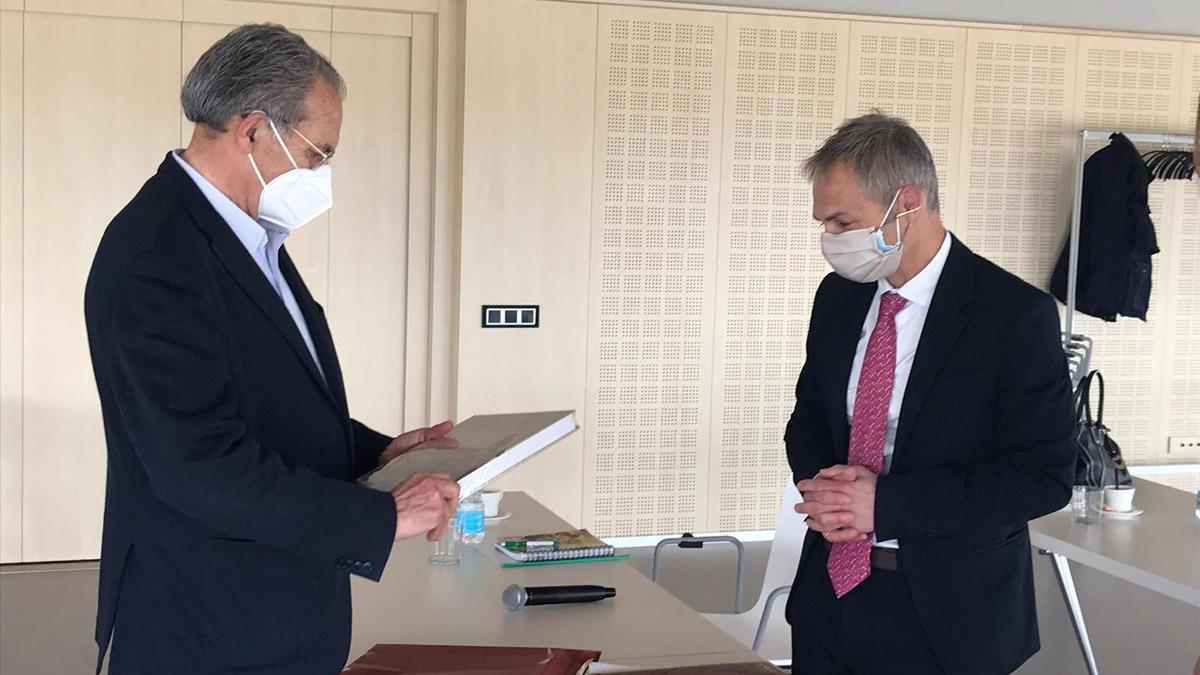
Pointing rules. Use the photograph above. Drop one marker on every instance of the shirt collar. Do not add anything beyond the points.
(920, 288)
(248, 231)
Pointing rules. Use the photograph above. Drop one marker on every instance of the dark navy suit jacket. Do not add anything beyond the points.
(983, 446)
(231, 518)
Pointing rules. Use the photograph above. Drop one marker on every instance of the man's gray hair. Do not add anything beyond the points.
(261, 66)
(883, 153)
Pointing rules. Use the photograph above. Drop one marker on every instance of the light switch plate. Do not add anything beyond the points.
(511, 316)
(1188, 446)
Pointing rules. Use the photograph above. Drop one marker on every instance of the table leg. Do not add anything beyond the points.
(1066, 584)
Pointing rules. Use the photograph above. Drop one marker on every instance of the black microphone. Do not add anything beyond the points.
(515, 597)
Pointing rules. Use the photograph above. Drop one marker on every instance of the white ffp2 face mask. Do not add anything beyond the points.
(863, 255)
(294, 197)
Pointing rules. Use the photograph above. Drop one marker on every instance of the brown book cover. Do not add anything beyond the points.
(461, 660)
(762, 668)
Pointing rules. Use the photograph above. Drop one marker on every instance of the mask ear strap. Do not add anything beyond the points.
(283, 145)
(891, 206)
(899, 238)
(254, 165)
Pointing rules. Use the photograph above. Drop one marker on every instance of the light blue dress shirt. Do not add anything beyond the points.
(262, 244)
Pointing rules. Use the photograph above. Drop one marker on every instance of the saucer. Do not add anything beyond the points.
(1118, 514)
(499, 517)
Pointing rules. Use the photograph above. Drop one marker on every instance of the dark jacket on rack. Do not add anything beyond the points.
(1116, 236)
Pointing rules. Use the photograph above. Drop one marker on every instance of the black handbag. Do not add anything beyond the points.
(1099, 462)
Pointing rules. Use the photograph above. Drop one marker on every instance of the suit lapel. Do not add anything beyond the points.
(322, 339)
(943, 326)
(844, 334)
(318, 328)
(237, 261)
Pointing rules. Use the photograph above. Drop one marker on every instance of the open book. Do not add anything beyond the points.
(480, 450)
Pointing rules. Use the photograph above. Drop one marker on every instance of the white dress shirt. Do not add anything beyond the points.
(262, 244)
(909, 323)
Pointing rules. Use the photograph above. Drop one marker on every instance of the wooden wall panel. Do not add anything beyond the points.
(422, 160)
(127, 70)
(785, 94)
(11, 276)
(914, 72)
(1178, 439)
(1181, 393)
(420, 6)
(660, 82)
(131, 68)
(372, 23)
(162, 10)
(445, 235)
(368, 241)
(526, 212)
(236, 12)
(633, 170)
(1017, 153)
(1133, 84)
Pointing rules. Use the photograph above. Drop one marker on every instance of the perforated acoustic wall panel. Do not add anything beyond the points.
(654, 238)
(784, 95)
(1181, 417)
(1191, 86)
(1133, 84)
(915, 72)
(704, 257)
(1016, 152)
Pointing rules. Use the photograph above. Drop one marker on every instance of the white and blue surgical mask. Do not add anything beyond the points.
(864, 255)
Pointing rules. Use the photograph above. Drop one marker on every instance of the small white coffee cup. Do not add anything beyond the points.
(491, 502)
(1119, 497)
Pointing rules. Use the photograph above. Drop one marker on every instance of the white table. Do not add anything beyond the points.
(1158, 550)
(418, 603)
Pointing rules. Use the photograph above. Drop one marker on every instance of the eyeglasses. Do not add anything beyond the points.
(326, 157)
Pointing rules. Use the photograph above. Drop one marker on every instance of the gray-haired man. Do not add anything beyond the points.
(932, 422)
(232, 520)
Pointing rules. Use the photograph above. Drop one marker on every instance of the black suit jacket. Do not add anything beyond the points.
(230, 520)
(983, 446)
(1116, 236)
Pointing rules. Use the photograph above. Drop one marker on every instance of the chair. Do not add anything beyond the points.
(763, 627)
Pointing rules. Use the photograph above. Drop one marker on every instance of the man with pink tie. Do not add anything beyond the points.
(933, 421)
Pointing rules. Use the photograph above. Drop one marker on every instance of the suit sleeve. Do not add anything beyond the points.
(1031, 472)
(176, 399)
(808, 439)
(368, 445)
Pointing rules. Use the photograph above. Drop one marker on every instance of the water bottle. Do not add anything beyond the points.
(470, 519)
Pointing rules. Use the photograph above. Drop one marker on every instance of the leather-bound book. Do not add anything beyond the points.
(386, 659)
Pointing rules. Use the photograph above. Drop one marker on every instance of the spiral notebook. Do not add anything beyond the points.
(570, 545)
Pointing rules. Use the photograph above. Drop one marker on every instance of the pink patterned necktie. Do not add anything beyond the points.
(850, 562)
